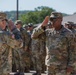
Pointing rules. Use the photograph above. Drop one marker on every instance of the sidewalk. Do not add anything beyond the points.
(31, 72)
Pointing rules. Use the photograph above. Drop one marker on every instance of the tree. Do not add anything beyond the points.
(37, 15)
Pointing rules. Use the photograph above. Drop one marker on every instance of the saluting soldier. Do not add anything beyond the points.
(60, 46)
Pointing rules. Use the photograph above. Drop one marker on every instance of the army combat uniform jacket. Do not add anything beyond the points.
(60, 47)
(7, 43)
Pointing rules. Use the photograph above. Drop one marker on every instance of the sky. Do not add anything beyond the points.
(64, 6)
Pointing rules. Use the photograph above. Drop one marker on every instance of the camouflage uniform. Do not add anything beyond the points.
(17, 63)
(26, 53)
(60, 50)
(30, 51)
(6, 46)
(71, 26)
(74, 32)
(38, 53)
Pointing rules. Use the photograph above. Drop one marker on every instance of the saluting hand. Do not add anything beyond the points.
(45, 22)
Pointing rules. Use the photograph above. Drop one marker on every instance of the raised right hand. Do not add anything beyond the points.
(45, 22)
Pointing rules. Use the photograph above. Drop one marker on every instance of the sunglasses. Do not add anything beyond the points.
(53, 19)
(16, 24)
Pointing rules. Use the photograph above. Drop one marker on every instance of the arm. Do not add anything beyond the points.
(40, 29)
(26, 39)
(12, 42)
(71, 55)
(36, 32)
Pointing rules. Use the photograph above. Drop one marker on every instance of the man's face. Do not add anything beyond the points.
(56, 22)
(18, 26)
(3, 22)
(66, 25)
(30, 28)
(69, 26)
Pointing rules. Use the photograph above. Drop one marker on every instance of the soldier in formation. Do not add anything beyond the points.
(17, 63)
(7, 43)
(38, 53)
(25, 49)
(71, 26)
(60, 46)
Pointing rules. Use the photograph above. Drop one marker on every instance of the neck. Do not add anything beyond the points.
(58, 28)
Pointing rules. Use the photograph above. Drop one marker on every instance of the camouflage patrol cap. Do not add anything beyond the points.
(69, 23)
(18, 22)
(23, 25)
(30, 25)
(56, 15)
(3, 16)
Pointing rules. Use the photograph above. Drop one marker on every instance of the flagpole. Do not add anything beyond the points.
(17, 9)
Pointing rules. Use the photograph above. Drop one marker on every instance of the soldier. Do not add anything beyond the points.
(24, 50)
(16, 56)
(30, 29)
(12, 28)
(71, 26)
(7, 43)
(38, 54)
(60, 45)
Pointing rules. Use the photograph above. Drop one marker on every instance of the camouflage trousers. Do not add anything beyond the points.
(58, 70)
(4, 72)
(17, 61)
(26, 61)
(5, 63)
(39, 62)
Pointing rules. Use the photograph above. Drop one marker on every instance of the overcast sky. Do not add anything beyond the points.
(64, 6)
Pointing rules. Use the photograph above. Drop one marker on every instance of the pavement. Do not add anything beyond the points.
(31, 72)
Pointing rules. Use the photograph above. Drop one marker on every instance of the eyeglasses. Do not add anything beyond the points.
(16, 24)
(53, 19)
(3, 20)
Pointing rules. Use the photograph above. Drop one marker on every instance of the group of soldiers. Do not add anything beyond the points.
(49, 46)
(17, 53)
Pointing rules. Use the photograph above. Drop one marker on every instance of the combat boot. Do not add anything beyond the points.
(38, 72)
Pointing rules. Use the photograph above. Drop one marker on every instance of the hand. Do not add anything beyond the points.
(45, 22)
(13, 36)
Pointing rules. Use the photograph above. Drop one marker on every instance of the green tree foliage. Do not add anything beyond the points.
(29, 16)
(36, 16)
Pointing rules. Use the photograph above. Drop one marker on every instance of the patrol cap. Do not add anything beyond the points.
(56, 15)
(18, 22)
(30, 25)
(69, 23)
(3, 16)
(24, 25)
